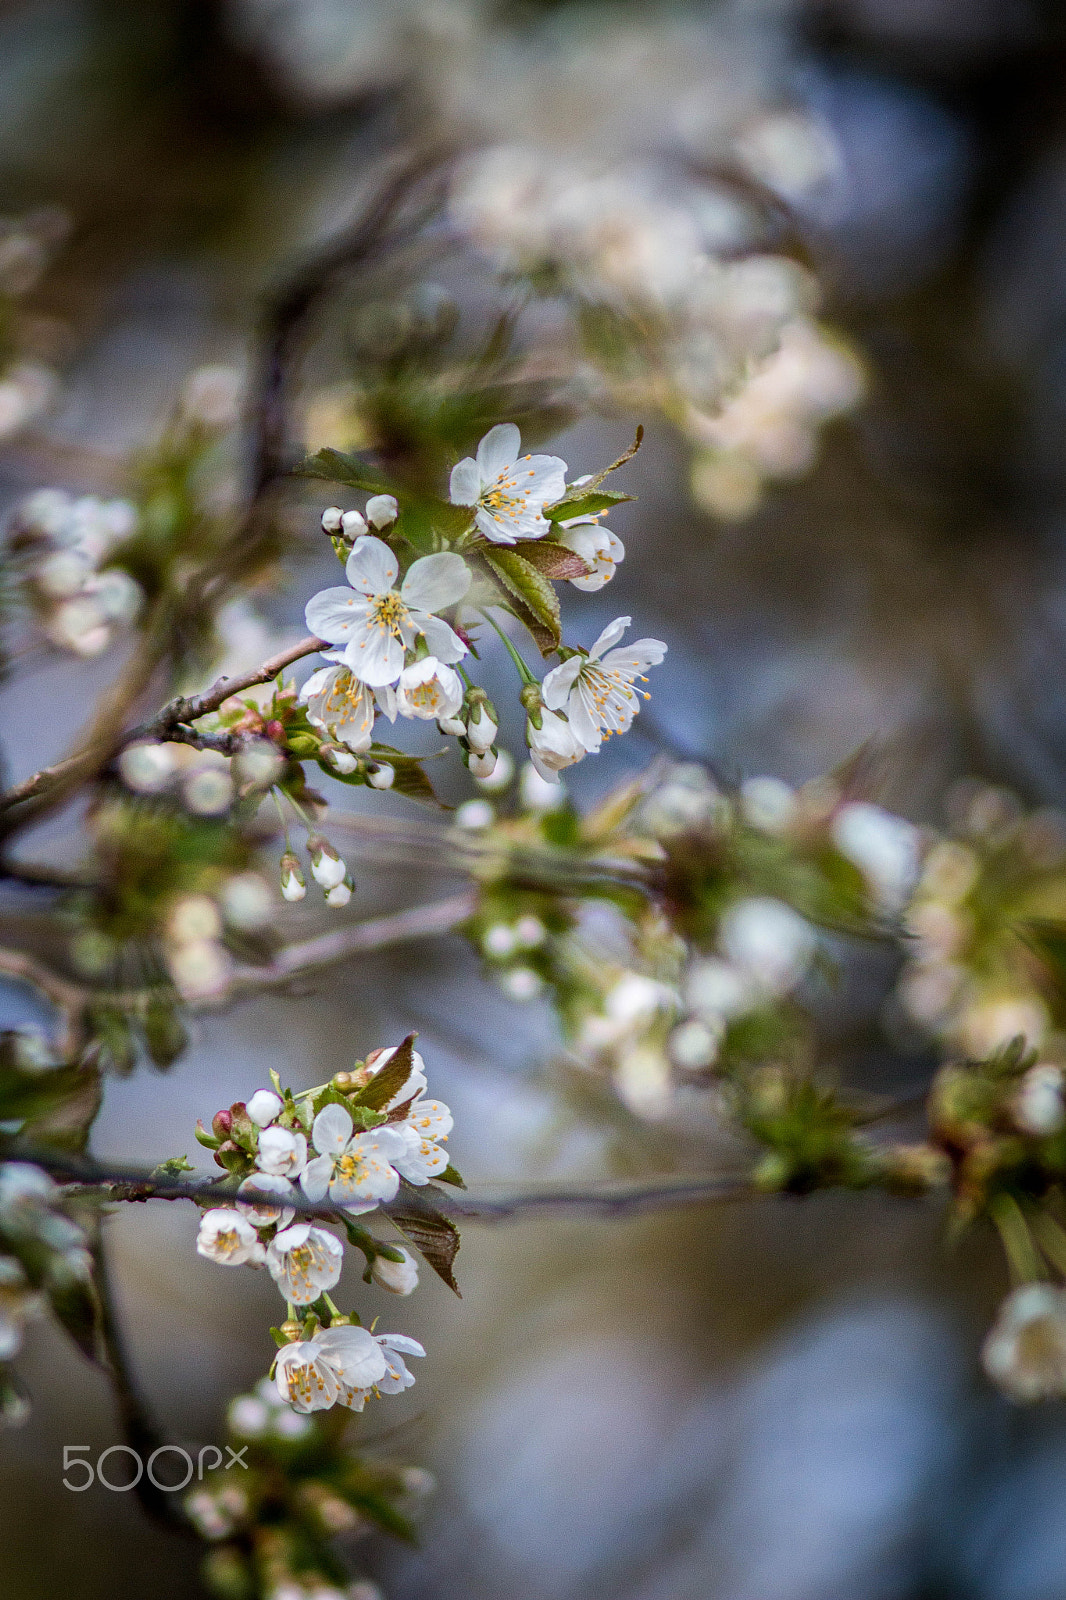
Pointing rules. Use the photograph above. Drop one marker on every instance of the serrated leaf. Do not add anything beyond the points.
(433, 1235)
(531, 588)
(337, 467)
(451, 1175)
(584, 503)
(554, 560)
(391, 1079)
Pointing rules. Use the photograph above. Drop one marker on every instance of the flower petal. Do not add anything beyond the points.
(636, 656)
(375, 656)
(442, 640)
(402, 1342)
(314, 1179)
(559, 681)
(582, 716)
(465, 483)
(371, 568)
(331, 1130)
(434, 582)
(610, 636)
(494, 529)
(353, 1353)
(333, 614)
(498, 450)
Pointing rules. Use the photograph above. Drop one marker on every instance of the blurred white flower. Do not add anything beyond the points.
(1025, 1353)
(768, 941)
(247, 902)
(502, 771)
(147, 768)
(882, 846)
(1039, 1105)
(768, 804)
(536, 792)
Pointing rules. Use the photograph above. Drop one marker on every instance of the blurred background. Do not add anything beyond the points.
(777, 1401)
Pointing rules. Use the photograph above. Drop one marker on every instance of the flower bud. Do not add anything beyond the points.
(263, 1107)
(327, 868)
(381, 775)
(341, 893)
(221, 1124)
(354, 524)
(453, 725)
(501, 774)
(399, 1277)
(481, 726)
(382, 510)
(339, 759)
(482, 763)
(331, 519)
(293, 885)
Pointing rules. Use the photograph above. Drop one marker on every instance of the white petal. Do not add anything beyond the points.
(635, 657)
(610, 636)
(314, 1179)
(434, 582)
(318, 683)
(465, 483)
(331, 1130)
(442, 640)
(498, 450)
(375, 656)
(559, 681)
(583, 721)
(371, 568)
(541, 478)
(354, 1353)
(333, 614)
(494, 529)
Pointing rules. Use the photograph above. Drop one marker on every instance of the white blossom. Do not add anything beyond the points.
(509, 494)
(599, 548)
(399, 1277)
(377, 623)
(597, 690)
(327, 868)
(228, 1238)
(429, 689)
(473, 815)
(342, 706)
(394, 1347)
(304, 1261)
(356, 1169)
(768, 941)
(883, 847)
(247, 901)
(281, 1153)
(554, 745)
(261, 1212)
(338, 1363)
(426, 1123)
(147, 768)
(1025, 1353)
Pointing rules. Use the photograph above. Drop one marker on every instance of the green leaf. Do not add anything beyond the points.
(410, 780)
(76, 1306)
(533, 591)
(390, 1080)
(554, 560)
(584, 503)
(165, 1035)
(451, 1175)
(172, 1167)
(433, 1235)
(337, 467)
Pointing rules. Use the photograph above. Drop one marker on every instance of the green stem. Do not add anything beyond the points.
(462, 674)
(1023, 1257)
(523, 671)
(300, 812)
(1052, 1240)
(283, 820)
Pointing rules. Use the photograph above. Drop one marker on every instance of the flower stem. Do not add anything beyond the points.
(1023, 1257)
(282, 819)
(523, 671)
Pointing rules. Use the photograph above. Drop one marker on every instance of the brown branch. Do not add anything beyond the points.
(183, 711)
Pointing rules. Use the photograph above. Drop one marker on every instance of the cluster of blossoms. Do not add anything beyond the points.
(44, 1260)
(346, 1147)
(272, 1528)
(68, 545)
(27, 385)
(395, 652)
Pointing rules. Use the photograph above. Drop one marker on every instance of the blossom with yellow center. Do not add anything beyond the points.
(509, 492)
(598, 690)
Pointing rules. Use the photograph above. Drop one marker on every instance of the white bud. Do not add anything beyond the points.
(481, 734)
(327, 868)
(453, 725)
(339, 895)
(482, 763)
(342, 761)
(501, 774)
(263, 1107)
(331, 519)
(399, 1277)
(382, 776)
(381, 510)
(293, 886)
(353, 524)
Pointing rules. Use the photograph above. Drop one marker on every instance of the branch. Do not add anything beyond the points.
(181, 710)
(110, 1182)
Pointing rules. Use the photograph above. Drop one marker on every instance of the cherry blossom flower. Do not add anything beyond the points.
(303, 1261)
(509, 493)
(599, 548)
(355, 1168)
(1025, 1353)
(429, 689)
(426, 1123)
(597, 689)
(313, 1374)
(342, 706)
(228, 1238)
(554, 745)
(260, 1212)
(397, 1377)
(281, 1153)
(378, 623)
